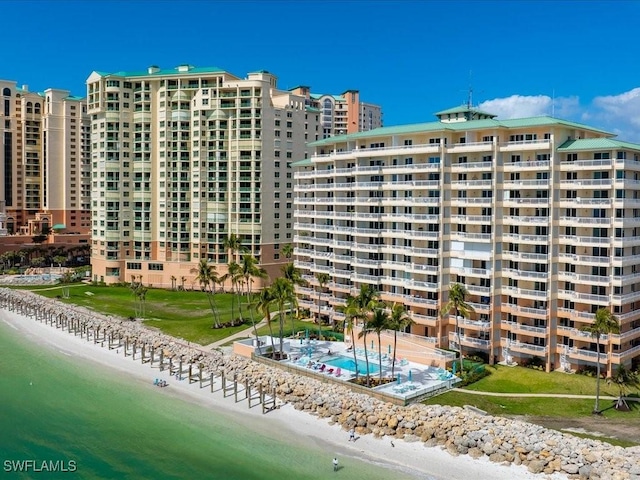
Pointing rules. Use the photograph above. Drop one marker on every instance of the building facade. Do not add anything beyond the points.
(182, 158)
(44, 161)
(538, 218)
(342, 114)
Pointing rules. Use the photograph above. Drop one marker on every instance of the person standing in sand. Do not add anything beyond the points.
(352, 435)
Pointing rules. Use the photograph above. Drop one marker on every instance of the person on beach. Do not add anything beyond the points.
(335, 464)
(352, 435)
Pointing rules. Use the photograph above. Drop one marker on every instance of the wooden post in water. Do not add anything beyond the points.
(190, 370)
(161, 359)
(152, 354)
(200, 374)
(211, 383)
(180, 369)
(143, 345)
(170, 365)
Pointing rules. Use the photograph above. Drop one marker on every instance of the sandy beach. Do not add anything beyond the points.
(285, 423)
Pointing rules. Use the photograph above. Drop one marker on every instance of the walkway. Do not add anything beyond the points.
(541, 395)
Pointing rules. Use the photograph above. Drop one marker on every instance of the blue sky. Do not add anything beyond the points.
(578, 60)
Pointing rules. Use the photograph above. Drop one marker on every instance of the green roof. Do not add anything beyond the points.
(312, 109)
(305, 162)
(485, 123)
(596, 144)
(165, 71)
(463, 109)
(317, 96)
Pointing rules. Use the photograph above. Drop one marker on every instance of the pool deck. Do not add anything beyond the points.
(414, 380)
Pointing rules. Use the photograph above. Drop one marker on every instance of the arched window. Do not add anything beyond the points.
(7, 104)
(36, 108)
(29, 107)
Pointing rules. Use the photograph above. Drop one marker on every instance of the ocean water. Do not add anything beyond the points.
(72, 414)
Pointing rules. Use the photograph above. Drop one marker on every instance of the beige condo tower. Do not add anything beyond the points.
(184, 157)
(44, 161)
(538, 218)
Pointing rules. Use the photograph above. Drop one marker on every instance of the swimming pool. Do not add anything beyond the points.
(347, 363)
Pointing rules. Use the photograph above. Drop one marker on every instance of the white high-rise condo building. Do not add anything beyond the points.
(182, 159)
(44, 161)
(539, 218)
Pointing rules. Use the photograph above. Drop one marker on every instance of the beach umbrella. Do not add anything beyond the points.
(410, 377)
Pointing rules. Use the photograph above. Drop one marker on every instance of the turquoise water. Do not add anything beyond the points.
(54, 408)
(347, 363)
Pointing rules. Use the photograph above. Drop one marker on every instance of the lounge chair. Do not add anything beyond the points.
(322, 368)
(338, 372)
(330, 371)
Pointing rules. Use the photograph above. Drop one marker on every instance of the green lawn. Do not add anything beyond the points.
(529, 380)
(184, 315)
(526, 380)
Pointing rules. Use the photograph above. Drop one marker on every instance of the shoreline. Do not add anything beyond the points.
(411, 458)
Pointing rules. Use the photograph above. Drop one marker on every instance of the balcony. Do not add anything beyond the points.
(525, 329)
(524, 293)
(526, 311)
(465, 201)
(469, 341)
(527, 348)
(464, 167)
(586, 165)
(520, 184)
(540, 165)
(586, 184)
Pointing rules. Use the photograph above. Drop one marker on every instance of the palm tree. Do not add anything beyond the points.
(282, 293)
(65, 280)
(398, 320)
(366, 301)
(625, 379)
(173, 282)
(378, 322)
(207, 277)
(234, 275)
(265, 301)
(249, 270)
(293, 275)
(233, 244)
(140, 295)
(322, 278)
(287, 250)
(350, 310)
(458, 301)
(604, 323)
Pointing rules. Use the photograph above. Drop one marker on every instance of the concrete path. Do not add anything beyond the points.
(540, 395)
(246, 333)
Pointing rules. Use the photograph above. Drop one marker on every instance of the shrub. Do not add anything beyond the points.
(474, 375)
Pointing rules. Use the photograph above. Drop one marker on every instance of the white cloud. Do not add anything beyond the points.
(618, 114)
(520, 106)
